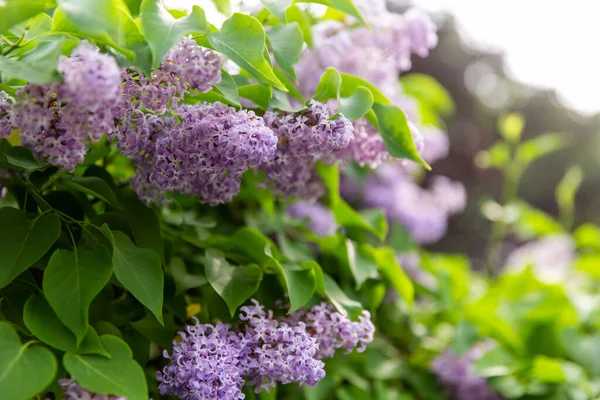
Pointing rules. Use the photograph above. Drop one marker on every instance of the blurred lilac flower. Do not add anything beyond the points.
(457, 373)
(5, 106)
(73, 391)
(319, 219)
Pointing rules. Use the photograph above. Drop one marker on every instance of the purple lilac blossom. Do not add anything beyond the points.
(304, 138)
(319, 219)
(52, 120)
(334, 330)
(550, 257)
(423, 212)
(201, 150)
(436, 144)
(73, 391)
(457, 374)
(5, 106)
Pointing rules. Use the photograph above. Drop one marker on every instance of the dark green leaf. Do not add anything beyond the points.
(183, 280)
(15, 11)
(71, 281)
(119, 375)
(396, 133)
(94, 187)
(358, 104)
(91, 344)
(155, 332)
(345, 215)
(286, 42)
(42, 321)
(162, 30)
(235, 285)
(24, 370)
(389, 267)
(327, 286)
(22, 158)
(143, 221)
(300, 281)
(242, 38)
(139, 270)
(23, 242)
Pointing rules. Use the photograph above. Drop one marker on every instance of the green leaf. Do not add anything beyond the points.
(326, 286)
(357, 105)
(162, 30)
(345, 215)
(396, 133)
(351, 83)
(304, 20)
(511, 127)
(154, 332)
(184, 281)
(42, 321)
(15, 11)
(228, 88)
(71, 281)
(93, 17)
(286, 42)
(428, 90)
(143, 221)
(25, 370)
(330, 174)
(259, 94)
(540, 146)
(496, 362)
(22, 158)
(223, 6)
(23, 242)
(565, 194)
(389, 267)
(140, 272)
(235, 285)
(94, 187)
(532, 223)
(91, 344)
(242, 39)
(548, 370)
(277, 7)
(346, 6)
(497, 156)
(361, 261)
(587, 235)
(329, 85)
(38, 66)
(120, 375)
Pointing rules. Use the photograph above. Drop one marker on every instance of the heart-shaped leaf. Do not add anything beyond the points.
(140, 272)
(71, 281)
(358, 104)
(234, 284)
(23, 242)
(120, 375)
(25, 370)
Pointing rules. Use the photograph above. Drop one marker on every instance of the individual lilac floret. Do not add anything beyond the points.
(201, 150)
(73, 391)
(457, 374)
(5, 106)
(205, 365)
(92, 79)
(278, 351)
(334, 330)
(304, 138)
(319, 219)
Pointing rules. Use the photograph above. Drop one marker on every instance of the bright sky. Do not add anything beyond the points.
(541, 40)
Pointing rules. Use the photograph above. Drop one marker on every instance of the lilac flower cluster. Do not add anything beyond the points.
(303, 139)
(423, 212)
(215, 362)
(55, 120)
(73, 391)
(202, 149)
(458, 375)
(334, 330)
(5, 107)
(319, 219)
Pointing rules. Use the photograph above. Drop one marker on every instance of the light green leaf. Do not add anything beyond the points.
(548, 370)
(23, 242)
(235, 285)
(183, 280)
(42, 321)
(242, 39)
(304, 20)
(396, 133)
(357, 105)
(25, 370)
(162, 30)
(94, 187)
(71, 281)
(361, 261)
(345, 215)
(511, 127)
(351, 83)
(286, 42)
(565, 194)
(228, 88)
(587, 235)
(389, 267)
(300, 282)
(326, 286)
(139, 270)
(93, 17)
(330, 174)
(346, 6)
(120, 375)
(329, 85)
(223, 6)
(36, 66)
(15, 11)
(428, 90)
(540, 146)
(277, 7)
(259, 94)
